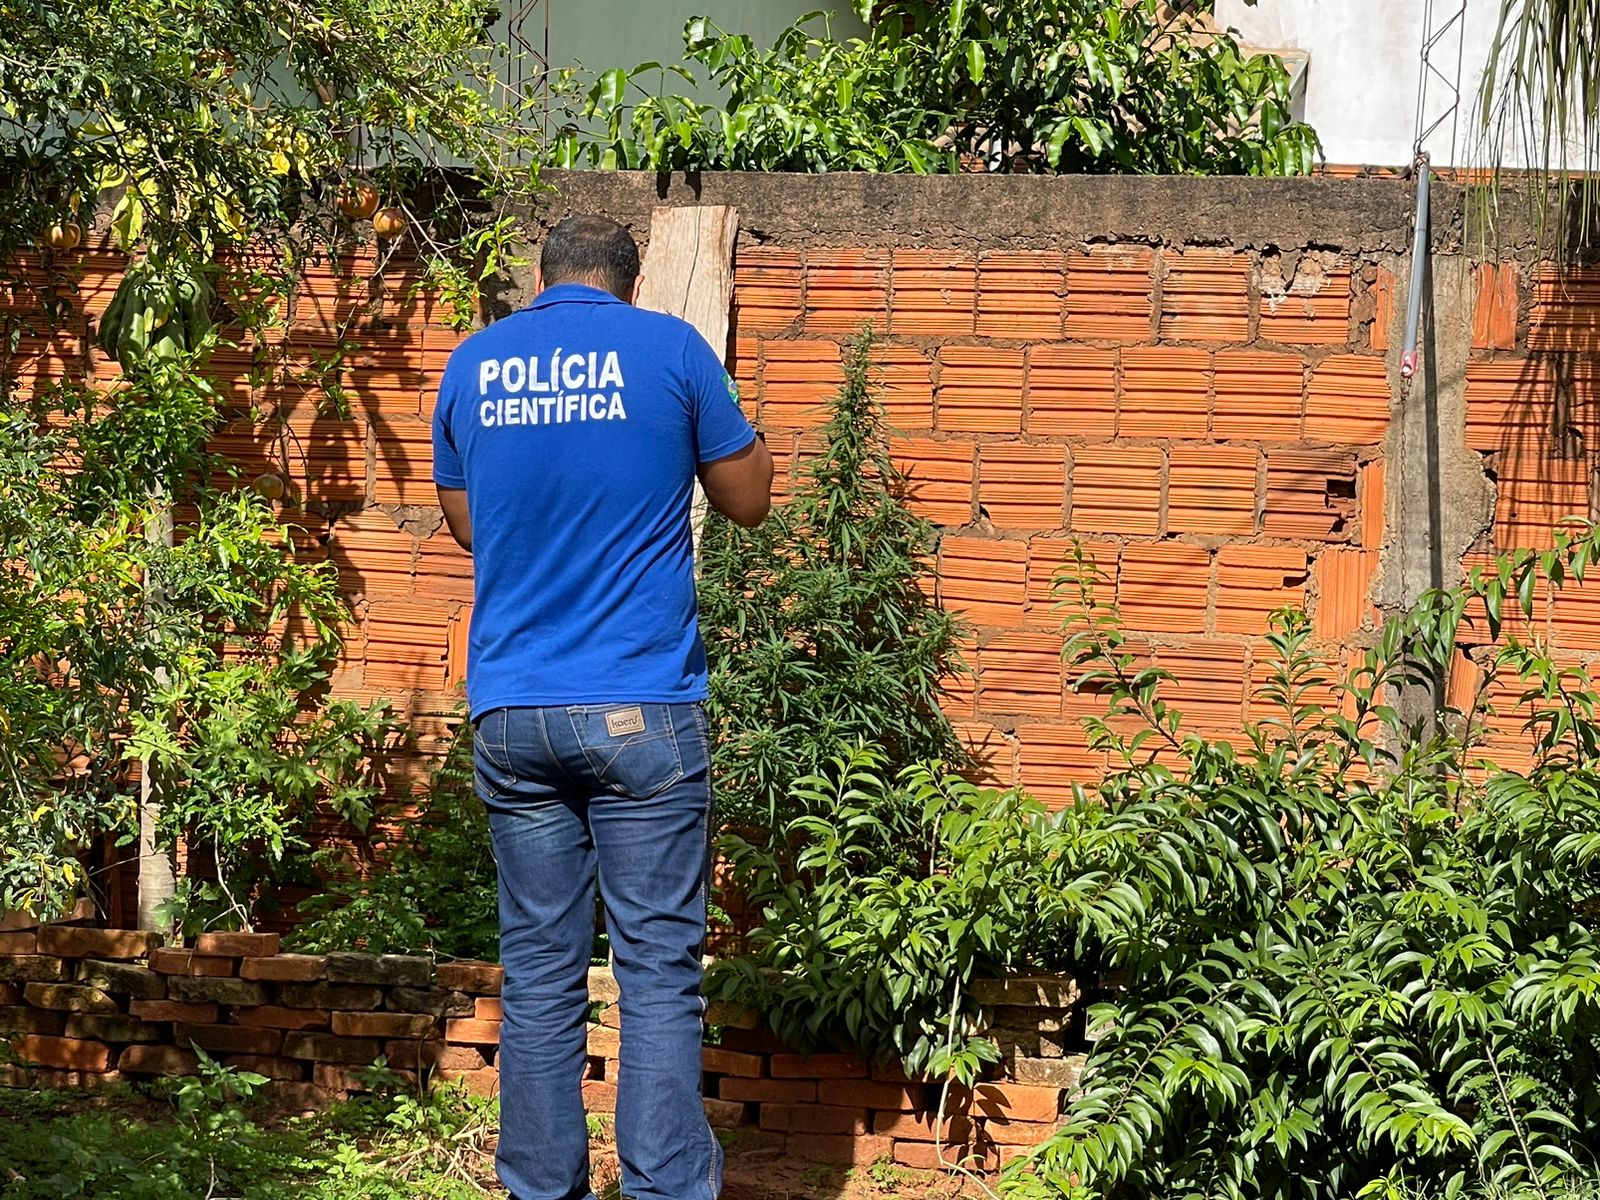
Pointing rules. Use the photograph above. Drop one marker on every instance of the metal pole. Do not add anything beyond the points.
(1419, 253)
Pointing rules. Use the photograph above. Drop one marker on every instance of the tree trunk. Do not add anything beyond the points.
(157, 876)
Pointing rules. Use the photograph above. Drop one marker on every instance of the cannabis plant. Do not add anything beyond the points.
(817, 632)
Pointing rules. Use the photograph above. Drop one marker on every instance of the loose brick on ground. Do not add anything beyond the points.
(32, 968)
(348, 997)
(229, 1039)
(77, 941)
(472, 1032)
(112, 1027)
(201, 990)
(818, 1066)
(813, 1118)
(68, 997)
(237, 945)
(22, 1019)
(172, 960)
(382, 1024)
(284, 968)
(731, 1062)
(780, 1091)
(402, 970)
(71, 1054)
(323, 1047)
(174, 1010)
(286, 1069)
(122, 979)
(278, 1016)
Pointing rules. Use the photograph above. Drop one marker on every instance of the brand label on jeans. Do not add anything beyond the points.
(625, 721)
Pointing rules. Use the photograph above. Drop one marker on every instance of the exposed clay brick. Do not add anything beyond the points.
(69, 1054)
(1344, 578)
(32, 968)
(1253, 582)
(922, 1127)
(229, 1039)
(1205, 296)
(1383, 309)
(980, 390)
(859, 1093)
(285, 968)
(1212, 490)
(603, 1041)
(488, 1008)
(840, 1150)
(1258, 397)
(1015, 1102)
(1051, 758)
(1566, 311)
(1051, 559)
(122, 979)
(1110, 294)
(1021, 673)
(283, 1069)
(1533, 495)
(905, 375)
(112, 1027)
(1030, 992)
(435, 1001)
(730, 1062)
(382, 1024)
(1511, 405)
(412, 1055)
(1020, 293)
(1373, 505)
(813, 1118)
(1165, 392)
(1072, 392)
(1163, 588)
(846, 290)
(194, 990)
(766, 289)
(1116, 489)
(599, 1096)
(77, 941)
(477, 978)
(1022, 486)
(350, 997)
(778, 1091)
(992, 753)
(1348, 401)
(374, 556)
(408, 646)
(68, 997)
(1314, 312)
(174, 1010)
(1311, 494)
(173, 960)
(387, 970)
(798, 381)
(1207, 686)
(817, 1066)
(20, 1019)
(925, 1156)
(19, 941)
(724, 1114)
(1494, 311)
(472, 1032)
(933, 293)
(982, 579)
(237, 945)
(276, 1016)
(323, 1047)
(938, 477)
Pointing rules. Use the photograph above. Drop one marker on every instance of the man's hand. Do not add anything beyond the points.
(456, 516)
(738, 486)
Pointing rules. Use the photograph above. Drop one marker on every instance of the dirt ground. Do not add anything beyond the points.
(760, 1173)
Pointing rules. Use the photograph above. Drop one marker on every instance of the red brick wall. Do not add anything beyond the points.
(1211, 421)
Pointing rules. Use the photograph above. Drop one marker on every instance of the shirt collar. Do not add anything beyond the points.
(566, 293)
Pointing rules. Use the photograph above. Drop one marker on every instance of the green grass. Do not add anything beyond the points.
(200, 1139)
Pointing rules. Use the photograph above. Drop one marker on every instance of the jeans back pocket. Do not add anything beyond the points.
(631, 748)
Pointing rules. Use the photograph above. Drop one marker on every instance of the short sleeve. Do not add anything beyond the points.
(447, 467)
(720, 426)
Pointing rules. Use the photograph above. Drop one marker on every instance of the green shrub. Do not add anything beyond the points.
(1339, 956)
(818, 633)
(433, 888)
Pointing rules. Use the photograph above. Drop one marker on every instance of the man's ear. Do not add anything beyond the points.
(538, 279)
(638, 284)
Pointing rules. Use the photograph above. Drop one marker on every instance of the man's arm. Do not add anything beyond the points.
(456, 516)
(738, 486)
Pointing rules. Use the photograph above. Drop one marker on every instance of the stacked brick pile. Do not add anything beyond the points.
(83, 1008)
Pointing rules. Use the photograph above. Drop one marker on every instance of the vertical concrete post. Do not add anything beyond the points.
(1440, 501)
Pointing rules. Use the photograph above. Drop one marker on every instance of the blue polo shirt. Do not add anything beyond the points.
(576, 426)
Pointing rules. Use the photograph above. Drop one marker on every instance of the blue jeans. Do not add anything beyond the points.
(625, 788)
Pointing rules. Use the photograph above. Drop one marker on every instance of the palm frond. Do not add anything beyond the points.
(1539, 111)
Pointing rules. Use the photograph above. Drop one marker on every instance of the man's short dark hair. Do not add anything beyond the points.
(592, 250)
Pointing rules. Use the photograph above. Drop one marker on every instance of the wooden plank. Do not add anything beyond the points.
(688, 272)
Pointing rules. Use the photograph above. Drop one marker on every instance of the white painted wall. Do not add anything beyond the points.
(1361, 86)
